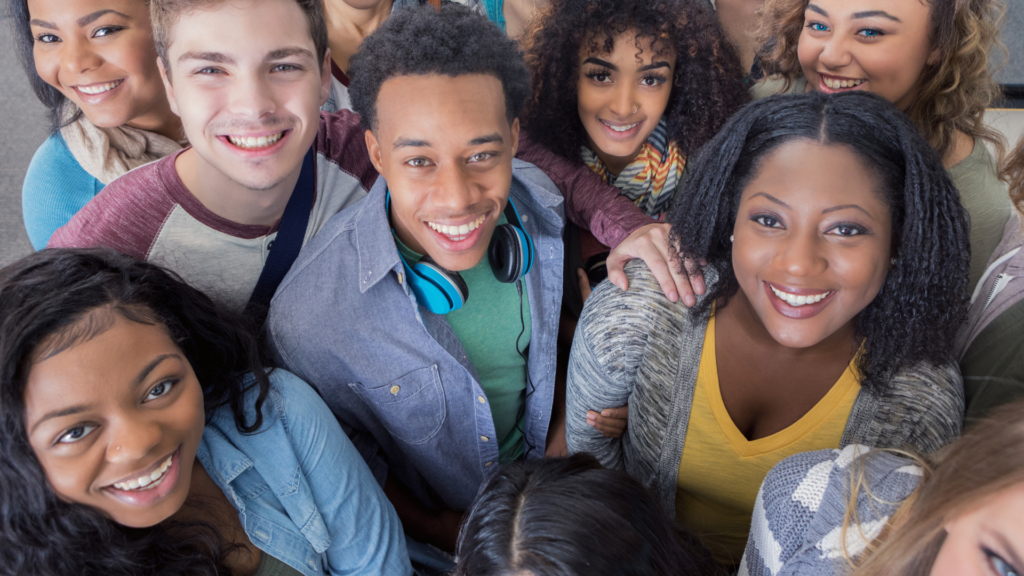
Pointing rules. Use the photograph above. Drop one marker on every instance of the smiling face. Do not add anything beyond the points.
(880, 46)
(811, 241)
(116, 421)
(622, 96)
(986, 541)
(100, 55)
(245, 79)
(445, 147)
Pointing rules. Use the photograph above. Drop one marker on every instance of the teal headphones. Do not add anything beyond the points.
(441, 291)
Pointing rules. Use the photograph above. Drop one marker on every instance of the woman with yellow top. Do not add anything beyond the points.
(837, 257)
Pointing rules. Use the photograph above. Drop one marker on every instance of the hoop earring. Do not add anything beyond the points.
(635, 109)
(731, 238)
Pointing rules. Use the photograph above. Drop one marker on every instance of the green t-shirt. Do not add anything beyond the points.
(488, 326)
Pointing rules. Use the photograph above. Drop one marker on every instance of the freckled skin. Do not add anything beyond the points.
(889, 55)
(993, 525)
(773, 368)
(614, 95)
(116, 46)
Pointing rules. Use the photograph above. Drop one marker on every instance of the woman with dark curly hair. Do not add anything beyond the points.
(837, 256)
(631, 88)
(930, 58)
(141, 434)
(572, 517)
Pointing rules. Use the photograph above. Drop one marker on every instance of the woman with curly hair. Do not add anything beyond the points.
(837, 255)
(862, 512)
(141, 434)
(929, 58)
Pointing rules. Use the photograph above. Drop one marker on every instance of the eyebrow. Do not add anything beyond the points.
(818, 9)
(770, 197)
(875, 14)
(215, 57)
(413, 143)
(610, 66)
(287, 53)
(83, 21)
(844, 207)
(79, 408)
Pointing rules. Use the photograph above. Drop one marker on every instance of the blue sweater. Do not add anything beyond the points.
(56, 187)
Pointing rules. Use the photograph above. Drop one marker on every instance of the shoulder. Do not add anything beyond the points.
(127, 214)
(53, 164)
(972, 167)
(923, 407)
(56, 187)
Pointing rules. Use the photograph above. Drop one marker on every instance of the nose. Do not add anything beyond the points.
(252, 96)
(453, 190)
(78, 56)
(132, 438)
(835, 54)
(801, 256)
(622, 100)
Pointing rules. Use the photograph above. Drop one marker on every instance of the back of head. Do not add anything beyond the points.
(51, 301)
(571, 517)
(453, 41)
(986, 460)
(916, 314)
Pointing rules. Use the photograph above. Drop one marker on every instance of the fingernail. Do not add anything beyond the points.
(689, 300)
(673, 296)
(605, 412)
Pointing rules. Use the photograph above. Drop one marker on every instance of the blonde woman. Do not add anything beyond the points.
(928, 57)
(868, 513)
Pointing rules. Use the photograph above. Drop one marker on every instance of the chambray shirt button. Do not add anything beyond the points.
(401, 278)
(481, 399)
(484, 438)
(395, 389)
(488, 464)
(525, 218)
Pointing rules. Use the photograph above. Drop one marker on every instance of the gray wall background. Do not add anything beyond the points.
(25, 126)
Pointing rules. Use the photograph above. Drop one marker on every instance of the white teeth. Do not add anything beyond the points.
(99, 88)
(622, 128)
(798, 300)
(840, 84)
(249, 142)
(148, 480)
(457, 233)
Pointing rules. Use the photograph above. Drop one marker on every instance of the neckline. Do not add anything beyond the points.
(847, 383)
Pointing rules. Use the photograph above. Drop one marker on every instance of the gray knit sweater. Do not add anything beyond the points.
(638, 348)
(797, 528)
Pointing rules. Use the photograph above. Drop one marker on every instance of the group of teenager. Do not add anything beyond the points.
(492, 288)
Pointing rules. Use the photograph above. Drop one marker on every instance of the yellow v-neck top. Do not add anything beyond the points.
(721, 471)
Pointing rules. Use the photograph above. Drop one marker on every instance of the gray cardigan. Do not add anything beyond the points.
(638, 348)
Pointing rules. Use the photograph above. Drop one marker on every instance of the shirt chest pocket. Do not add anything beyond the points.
(411, 407)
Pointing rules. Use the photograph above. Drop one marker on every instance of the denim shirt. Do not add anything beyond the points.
(346, 321)
(303, 494)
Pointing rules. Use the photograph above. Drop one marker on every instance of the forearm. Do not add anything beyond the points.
(440, 529)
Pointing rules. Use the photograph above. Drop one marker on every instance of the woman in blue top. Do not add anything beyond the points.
(92, 63)
(140, 434)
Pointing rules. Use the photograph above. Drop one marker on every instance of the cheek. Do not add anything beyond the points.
(47, 66)
(807, 52)
(72, 477)
(588, 101)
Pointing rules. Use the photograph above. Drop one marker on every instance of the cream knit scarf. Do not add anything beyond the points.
(106, 153)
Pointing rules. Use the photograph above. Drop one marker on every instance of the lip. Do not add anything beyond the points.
(822, 87)
(102, 96)
(620, 136)
(467, 243)
(796, 312)
(256, 152)
(148, 497)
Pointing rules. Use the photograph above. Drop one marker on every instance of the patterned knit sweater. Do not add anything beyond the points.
(638, 348)
(797, 528)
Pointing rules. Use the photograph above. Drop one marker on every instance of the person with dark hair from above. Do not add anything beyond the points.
(93, 66)
(572, 517)
(630, 89)
(990, 344)
(435, 342)
(248, 77)
(837, 256)
(862, 512)
(141, 433)
(930, 58)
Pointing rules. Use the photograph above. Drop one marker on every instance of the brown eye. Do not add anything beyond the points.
(75, 434)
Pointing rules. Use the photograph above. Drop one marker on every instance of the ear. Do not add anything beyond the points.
(167, 86)
(515, 137)
(373, 147)
(325, 78)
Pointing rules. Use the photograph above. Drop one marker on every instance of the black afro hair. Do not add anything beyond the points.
(453, 41)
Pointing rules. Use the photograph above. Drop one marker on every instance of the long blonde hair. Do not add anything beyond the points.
(986, 460)
(953, 93)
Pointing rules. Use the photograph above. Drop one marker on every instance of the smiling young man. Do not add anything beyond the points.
(436, 401)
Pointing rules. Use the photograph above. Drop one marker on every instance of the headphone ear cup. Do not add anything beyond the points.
(505, 253)
(437, 289)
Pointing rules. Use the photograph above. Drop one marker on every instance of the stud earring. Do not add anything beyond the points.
(892, 261)
(731, 238)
